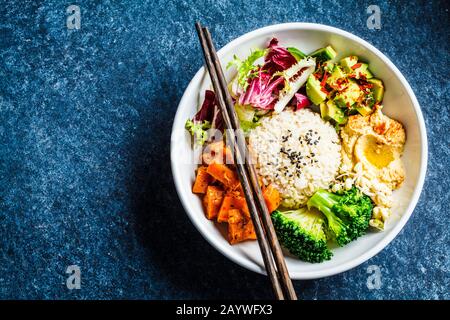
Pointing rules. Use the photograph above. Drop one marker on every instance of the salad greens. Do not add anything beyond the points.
(245, 69)
(258, 88)
(278, 58)
(198, 130)
(272, 85)
(247, 117)
(208, 117)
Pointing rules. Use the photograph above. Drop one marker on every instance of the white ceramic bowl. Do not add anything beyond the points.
(399, 103)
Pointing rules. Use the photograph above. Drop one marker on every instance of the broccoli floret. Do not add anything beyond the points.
(302, 233)
(348, 213)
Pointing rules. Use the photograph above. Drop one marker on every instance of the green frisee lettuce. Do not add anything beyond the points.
(246, 68)
(199, 130)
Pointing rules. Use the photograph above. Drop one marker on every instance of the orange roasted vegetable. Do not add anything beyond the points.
(224, 175)
(227, 204)
(212, 201)
(223, 197)
(232, 201)
(202, 181)
(241, 204)
(239, 227)
(271, 197)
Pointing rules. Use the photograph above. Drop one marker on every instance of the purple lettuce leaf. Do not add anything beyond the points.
(278, 58)
(262, 91)
(301, 101)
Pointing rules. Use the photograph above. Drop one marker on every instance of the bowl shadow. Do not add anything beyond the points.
(187, 265)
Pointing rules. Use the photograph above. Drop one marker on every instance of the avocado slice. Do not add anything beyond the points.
(364, 110)
(335, 76)
(349, 95)
(377, 89)
(328, 66)
(362, 72)
(314, 90)
(324, 111)
(324, 54)
(348, 62)
(330, 111)
(298, 55)
(336, 113)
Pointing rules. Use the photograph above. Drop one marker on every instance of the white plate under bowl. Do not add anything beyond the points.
(399, 103)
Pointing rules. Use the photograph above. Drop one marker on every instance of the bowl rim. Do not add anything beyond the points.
(245, 262)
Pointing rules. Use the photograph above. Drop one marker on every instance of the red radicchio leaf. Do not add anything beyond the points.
(278, 58)
(301, 101)
(207, 109)
(210, 111)
(261, 91)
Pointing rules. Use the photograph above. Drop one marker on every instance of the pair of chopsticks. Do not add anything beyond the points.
(270, 248)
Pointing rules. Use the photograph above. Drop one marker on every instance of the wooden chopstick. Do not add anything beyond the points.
(262, 241)
(267, 240)
(264, 212)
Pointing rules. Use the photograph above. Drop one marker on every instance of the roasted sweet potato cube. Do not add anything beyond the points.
(232, 201)
(241, 204)
(227, 204)
(224, 175)
(212, 201)
(202, 181)
(271, 197)
(239, 227)
(249, 231)
(235, 226)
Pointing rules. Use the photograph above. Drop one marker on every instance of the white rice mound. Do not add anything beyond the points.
(298, 152)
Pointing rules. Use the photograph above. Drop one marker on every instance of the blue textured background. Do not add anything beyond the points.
(85, 119)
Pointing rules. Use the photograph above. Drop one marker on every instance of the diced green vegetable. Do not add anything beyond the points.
(324, 54)
(314, 90)
(377, 89)
(348, 62)
(296, 53)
